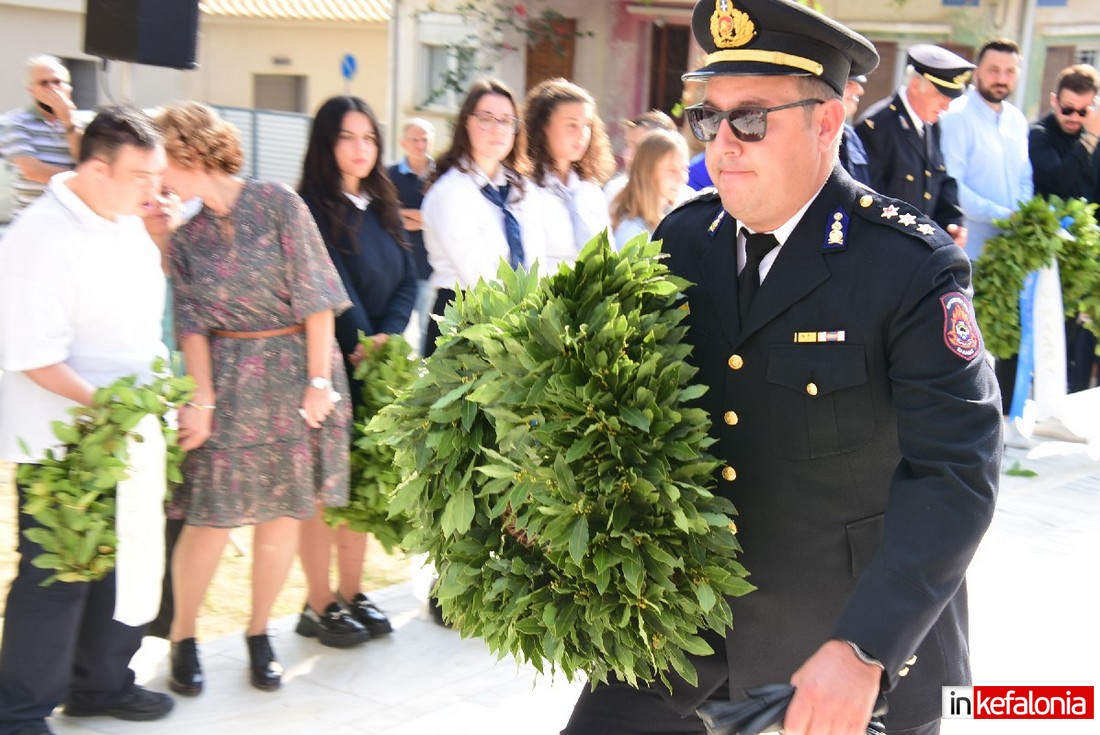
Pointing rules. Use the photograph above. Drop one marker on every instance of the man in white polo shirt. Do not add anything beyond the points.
(81, 297)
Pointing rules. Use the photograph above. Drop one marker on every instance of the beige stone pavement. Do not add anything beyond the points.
(1034, 613)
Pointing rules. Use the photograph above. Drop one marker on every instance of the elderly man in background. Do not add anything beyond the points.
(409, 176)
(42, 139)
(853, 156)
(902, 137)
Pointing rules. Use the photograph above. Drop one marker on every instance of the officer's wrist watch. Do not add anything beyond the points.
(320, 383)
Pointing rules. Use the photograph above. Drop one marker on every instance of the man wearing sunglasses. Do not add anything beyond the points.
(1066, 162)
(857, 420)
(902, 137)
(1063, 145)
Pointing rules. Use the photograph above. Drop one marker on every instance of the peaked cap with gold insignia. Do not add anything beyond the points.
(777, 38)
(948, 72)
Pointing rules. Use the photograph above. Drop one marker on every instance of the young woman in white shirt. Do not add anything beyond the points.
(657, 176)
(570, 160)
(466, 228)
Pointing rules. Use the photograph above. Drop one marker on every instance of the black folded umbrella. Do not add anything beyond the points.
(764, 711)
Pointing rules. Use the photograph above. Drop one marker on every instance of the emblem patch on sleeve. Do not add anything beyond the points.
(960, 329)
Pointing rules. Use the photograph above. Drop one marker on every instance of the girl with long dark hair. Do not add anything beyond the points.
(358, 213)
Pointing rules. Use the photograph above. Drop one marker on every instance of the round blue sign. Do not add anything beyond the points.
(348, 66)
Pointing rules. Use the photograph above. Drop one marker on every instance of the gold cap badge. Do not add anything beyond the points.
(729, 27)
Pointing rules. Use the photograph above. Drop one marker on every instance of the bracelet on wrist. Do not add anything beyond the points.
(202, 406)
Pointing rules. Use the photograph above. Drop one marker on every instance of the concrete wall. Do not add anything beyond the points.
(232, 51)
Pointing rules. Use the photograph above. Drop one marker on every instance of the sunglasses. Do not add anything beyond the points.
(1067, 111)
(749, 124)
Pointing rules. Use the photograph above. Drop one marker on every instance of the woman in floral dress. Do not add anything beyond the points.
(267, 433)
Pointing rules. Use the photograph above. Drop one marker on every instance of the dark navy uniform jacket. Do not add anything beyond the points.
(903, 167)
(859, 424)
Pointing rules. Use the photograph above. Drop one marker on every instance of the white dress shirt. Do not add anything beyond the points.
(575, 212)
(464, 231)
(986, 152)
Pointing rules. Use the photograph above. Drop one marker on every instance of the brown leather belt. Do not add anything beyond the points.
(263, 334)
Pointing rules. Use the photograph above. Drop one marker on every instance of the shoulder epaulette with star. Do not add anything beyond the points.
(901, 216)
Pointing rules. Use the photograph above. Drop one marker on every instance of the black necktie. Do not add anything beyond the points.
(512, 231)
(756, 247)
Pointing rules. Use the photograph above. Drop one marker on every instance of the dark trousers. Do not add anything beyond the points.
(443, 297)
(1005, 370)
(1080, 356)
(162, 623)
(619, 709)
(60, 643)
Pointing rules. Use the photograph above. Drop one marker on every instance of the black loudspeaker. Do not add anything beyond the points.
(155, 32)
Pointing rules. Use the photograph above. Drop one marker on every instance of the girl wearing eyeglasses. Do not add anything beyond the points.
(480, 208)
(358, 214)
(571, 160)
(657, 177)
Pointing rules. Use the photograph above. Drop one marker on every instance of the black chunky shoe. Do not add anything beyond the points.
(335, 627)
(186, 672)
(138, 705)
(367, 614)
(267, 673)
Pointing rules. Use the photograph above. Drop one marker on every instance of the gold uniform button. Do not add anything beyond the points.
(909, 177)
(911, 660)
(736, 362)
(730, 418)
(927, 195)
(811, 388)
(866, 200)
(729, 474)
(927, 172)
(904, 672)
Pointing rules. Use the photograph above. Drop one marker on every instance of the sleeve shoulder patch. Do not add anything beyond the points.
(960, 328)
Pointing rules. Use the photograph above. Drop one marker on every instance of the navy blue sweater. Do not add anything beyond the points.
(378, 273)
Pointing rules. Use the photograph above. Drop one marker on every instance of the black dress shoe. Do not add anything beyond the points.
(186, 671)
(367, 614)
(139, 705)
(335, 627)
(267, 673)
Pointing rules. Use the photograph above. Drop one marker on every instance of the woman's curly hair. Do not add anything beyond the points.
(597, 163)
(196, 137)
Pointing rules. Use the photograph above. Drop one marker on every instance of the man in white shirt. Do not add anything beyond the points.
(984, 143)
(81, 296)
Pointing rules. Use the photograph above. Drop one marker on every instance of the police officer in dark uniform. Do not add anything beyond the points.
(853, 406)
(902, 137)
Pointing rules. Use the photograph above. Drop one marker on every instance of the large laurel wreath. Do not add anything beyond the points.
(559, 476)
(1029, 240)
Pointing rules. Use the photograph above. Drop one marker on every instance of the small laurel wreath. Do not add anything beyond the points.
(71, 493)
